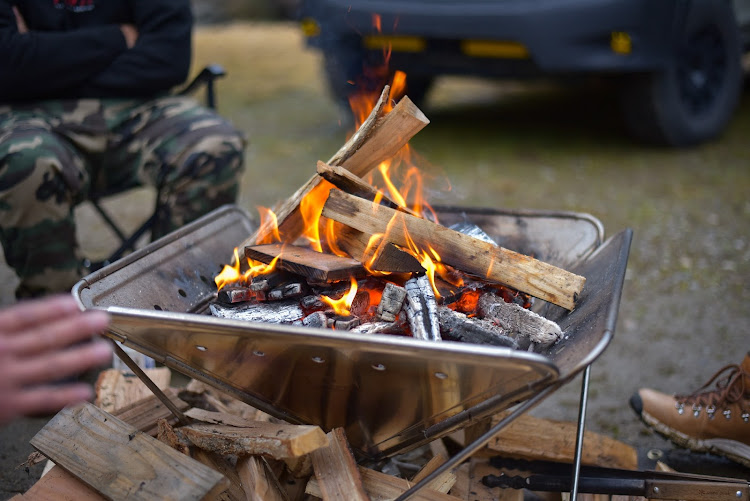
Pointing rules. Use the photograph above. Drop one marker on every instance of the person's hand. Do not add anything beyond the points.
(20, 22)
(42, 342)
(130, 33)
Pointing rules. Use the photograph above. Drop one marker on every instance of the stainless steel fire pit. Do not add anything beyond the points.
(389, 393)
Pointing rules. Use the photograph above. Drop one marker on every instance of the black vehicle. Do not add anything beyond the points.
(677, 63)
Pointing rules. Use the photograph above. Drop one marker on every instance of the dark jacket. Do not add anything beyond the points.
(75, 48)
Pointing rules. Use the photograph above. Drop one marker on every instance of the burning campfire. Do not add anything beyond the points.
(345, 254)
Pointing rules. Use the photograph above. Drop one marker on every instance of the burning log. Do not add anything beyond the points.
(527, 326)
(279, 312)
(458, 327)
(355, 185)
(470, 254)
(306, 262)
(384, 257)
(377, 140)
(231, 295)
(391, 302)
(421, 309)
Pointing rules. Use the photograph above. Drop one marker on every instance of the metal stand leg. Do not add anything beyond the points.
(470, 449)
(579, 432)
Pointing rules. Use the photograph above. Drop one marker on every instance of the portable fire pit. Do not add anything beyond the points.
(389, 393)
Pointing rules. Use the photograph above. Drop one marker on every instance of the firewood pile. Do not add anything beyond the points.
(384, 267)
(227, 450)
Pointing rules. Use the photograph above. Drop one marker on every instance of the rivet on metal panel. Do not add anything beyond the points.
(259, 353)
(200, 348)
(441, 375)
(378, 367)
(318, 360)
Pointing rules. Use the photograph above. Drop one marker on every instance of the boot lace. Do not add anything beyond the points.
(731, 385)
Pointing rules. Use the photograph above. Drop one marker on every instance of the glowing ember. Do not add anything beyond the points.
(342, 306)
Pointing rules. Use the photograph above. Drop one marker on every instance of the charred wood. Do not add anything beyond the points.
(232, 295)
(458, 327)
(285, 292)
(421, 309)
(472, 230)
(523, 324)
(343, 323)
(317, 319)
(278, 312)
(379, 328)
(391, 302)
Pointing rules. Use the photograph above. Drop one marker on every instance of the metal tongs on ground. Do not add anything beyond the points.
(556, 477)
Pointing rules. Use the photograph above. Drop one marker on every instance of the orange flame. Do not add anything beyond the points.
(343, 305)
(320, 232)
(230, 273)
(269, 227)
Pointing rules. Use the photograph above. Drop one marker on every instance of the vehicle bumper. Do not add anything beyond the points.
(559, 36)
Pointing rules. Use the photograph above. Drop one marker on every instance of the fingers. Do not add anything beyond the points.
(36, 312)
(55, 365)
(55, 334)
(42, 399)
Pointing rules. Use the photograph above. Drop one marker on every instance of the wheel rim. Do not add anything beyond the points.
(701, 71)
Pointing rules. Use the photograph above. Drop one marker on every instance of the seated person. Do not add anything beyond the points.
(85, 107)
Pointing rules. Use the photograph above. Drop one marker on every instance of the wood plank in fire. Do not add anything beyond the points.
(378, 139)
(466, 253)
(308, 263)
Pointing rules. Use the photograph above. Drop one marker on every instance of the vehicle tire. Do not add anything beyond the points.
(693, 99)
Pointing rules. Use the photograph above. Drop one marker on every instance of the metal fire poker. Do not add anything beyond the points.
(183, 420)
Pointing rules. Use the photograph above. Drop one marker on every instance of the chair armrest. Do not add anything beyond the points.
(206, 77)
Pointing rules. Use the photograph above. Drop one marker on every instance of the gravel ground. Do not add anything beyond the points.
(684, 309)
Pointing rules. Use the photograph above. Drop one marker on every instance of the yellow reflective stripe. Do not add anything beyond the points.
(493, 48)
(396, 43)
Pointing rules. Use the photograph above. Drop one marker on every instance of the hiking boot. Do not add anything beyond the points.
(709, 420)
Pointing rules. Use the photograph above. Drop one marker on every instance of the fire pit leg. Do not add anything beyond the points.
(579, 433)
(150, 384)
(473, 447)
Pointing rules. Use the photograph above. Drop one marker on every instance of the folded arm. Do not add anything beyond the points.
(160, 58)
(40, 64)
(97, 61)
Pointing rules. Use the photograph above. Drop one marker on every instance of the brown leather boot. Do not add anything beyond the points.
(709, 420)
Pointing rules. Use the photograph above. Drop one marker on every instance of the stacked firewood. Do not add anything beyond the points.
(230, 451)
(499, 281)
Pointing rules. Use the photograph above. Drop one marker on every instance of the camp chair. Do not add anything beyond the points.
(205, 79)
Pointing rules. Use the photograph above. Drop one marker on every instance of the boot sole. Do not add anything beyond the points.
(731, 449)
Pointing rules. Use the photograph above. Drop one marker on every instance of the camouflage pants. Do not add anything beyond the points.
(56, 154)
